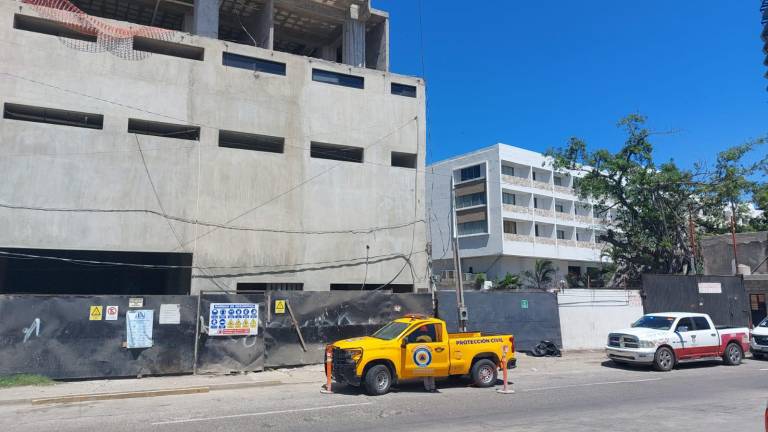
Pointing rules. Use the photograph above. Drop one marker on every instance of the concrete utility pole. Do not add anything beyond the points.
(733, 239)
(461, 309)
(692, 235)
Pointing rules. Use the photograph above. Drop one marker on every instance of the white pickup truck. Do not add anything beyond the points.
(666, 339)
(759, 345)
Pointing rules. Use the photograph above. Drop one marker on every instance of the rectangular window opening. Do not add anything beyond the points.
(166, 130)
(469, 173)
(508, 198)
(246, 141)
(476, 227)
(558, 181)
(508, 170)
(253, 64)
(510, 227)
(536, 230)
(403, 160)
(336, 152)
(403, 90)
(269, 286)
(470, 200)
(560, 234)
(52, 116)
(172, 49)
(49, 27)
(336, 78)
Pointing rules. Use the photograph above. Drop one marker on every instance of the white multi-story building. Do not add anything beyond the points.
(511, 208)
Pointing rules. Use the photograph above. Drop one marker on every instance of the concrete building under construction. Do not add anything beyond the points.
(171, 146)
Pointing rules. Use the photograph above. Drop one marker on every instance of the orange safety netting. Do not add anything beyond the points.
(115, 38)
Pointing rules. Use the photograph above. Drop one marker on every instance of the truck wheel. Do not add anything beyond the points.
(664, 360)
(378, 380)
(732, 355)
(484, 373)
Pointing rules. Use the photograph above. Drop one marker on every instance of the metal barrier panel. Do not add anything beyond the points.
(64, 337)
(235, 353)
(529, 316)
(588, 315)
(724, 298)
(325, 317)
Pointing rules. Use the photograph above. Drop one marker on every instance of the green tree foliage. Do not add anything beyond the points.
(541, 276)
(652, 203)
(509, 282)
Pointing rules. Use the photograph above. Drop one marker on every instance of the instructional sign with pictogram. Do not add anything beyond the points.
(96, 313)
(233, 319)
(279, 306)
(112, 313)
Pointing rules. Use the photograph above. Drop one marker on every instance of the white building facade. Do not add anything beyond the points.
(511, 209)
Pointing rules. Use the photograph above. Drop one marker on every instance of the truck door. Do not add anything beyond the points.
(706, 341)
(684, 345)
(425, 353)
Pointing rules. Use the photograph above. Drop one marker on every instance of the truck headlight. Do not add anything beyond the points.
(355, 355)
(647, 344)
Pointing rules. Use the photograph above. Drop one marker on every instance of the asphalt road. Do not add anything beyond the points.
(583, 395)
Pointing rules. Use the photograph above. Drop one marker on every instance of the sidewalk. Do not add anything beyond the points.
(78, 391)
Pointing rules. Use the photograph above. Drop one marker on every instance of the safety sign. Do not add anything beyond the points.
(523, 304)
(139, 328)
(96, 312)
(233, 319)
(111, 313)
(279, 306)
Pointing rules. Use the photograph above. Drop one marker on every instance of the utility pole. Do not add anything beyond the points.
(733, 239)
(692, 235)
(460, 308)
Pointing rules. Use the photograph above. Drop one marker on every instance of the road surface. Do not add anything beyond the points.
(591, 395)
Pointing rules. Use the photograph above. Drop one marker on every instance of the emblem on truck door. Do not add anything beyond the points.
(422, 356)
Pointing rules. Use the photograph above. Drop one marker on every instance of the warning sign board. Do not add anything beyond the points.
(279, 306)
(96, 313)
(111, 313)
(233, 319)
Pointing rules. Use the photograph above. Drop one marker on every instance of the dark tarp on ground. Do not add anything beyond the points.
(70, 345)
(503, 312)
(328, 316)
(679, 293)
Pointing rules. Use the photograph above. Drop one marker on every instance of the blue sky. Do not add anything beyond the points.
(534, 73)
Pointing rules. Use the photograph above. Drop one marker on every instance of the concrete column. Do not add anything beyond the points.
(328, 52)
(205, 21)
(264, 26)
(377, 47)
(353, 39)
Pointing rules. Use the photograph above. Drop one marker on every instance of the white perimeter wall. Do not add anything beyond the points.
(587, 316)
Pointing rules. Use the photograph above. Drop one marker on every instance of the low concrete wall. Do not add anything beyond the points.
(587, 316)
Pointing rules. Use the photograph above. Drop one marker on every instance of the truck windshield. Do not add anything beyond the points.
(655, 322)
(391, 330)
(764, 323)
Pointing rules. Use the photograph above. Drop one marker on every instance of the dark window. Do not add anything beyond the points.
(535, 202)
(684, 322)
(536, 230)
(559, 208)
(574, 270)
(52, 116)
(336, 78)
(49, 27)
(558, 181)
(476, 227)
(253, 64)
(168, 48)
(403, 160)
(470, 173)
(167, 130)
(560, 235)
(423, 334)
(246, 141)
(470, 200)
(508, 198)
(508, 170)
(269, 286)
(370, 286)
(336, 152)
(534, 175)
(701, 323)
(510, 227)
(403, 90)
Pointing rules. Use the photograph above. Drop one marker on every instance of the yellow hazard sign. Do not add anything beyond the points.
(279, 306)
(96, 313)
(253, 324)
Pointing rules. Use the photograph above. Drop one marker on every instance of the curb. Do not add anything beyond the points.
(86, 397)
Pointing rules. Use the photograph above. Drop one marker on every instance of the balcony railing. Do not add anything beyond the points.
(542, 185)
(517, 209)
(569, 243)
(545, 240)
(521, 181)
(564, 216)
(518, 237)
(564, 189)
(544, 212)
(584, 219)
(587, 244)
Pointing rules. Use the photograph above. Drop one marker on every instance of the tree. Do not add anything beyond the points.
(652, 204)
(510, 282)
(541, 276)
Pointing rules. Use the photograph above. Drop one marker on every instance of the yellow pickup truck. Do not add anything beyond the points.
(414, 347)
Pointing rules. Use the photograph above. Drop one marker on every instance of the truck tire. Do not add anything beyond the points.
(378, 380)
(733, 354)
(484, 373)
(664, 360)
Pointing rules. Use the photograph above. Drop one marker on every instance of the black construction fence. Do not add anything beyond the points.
(724, 298)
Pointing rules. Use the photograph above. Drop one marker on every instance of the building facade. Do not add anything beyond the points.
(142, 159)
(511, 209)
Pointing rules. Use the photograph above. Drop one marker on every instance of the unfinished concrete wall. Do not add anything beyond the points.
(752, 249)
(52, 166)
(587, 316)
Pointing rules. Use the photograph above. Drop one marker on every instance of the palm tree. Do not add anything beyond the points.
(542, 273)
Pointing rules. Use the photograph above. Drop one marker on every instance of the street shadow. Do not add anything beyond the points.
(411, 386)
(649, 368)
